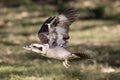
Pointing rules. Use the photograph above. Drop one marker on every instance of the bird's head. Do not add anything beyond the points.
(38, 48)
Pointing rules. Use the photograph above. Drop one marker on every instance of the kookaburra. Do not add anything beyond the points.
(54, 37)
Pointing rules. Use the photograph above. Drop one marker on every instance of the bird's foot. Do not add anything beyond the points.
(65, 64)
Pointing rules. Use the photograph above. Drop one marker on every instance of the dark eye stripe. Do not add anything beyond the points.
(34, 46)
(40, 48)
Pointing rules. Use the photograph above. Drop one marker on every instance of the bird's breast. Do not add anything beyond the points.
(58, 53)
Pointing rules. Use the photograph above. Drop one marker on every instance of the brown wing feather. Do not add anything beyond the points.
(44, 31)
(59, 26)
(67, 18)
(64, 21)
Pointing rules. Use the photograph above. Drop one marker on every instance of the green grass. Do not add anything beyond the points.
(100, 35)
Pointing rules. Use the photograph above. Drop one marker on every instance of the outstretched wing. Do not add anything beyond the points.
(67, 18)
(62, 24)
(54, 31)
(43, 33)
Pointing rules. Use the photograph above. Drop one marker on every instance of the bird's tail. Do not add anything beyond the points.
(85, 54)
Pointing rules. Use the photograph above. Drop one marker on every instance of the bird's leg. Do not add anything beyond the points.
(65, 63)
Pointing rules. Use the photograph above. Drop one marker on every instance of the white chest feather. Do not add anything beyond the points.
(58, 53)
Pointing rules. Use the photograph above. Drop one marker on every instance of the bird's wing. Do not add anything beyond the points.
(62, 23)
(54, 31)
(43, 33)
(67, 18)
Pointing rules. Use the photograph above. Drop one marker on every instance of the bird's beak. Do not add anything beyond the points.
(27, 47)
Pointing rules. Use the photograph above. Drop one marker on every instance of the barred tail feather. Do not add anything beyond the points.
(85, 54)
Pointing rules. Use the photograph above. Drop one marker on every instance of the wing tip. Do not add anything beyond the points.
(71, 13)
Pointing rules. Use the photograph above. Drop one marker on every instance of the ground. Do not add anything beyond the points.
(19, 27)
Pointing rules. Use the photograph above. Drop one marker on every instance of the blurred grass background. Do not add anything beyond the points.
(98, 29)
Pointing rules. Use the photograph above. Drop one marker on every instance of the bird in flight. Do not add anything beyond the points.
(54, 38)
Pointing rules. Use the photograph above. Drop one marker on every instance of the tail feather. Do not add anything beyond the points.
(85, 54)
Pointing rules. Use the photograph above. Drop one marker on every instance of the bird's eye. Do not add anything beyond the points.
(40, 48)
